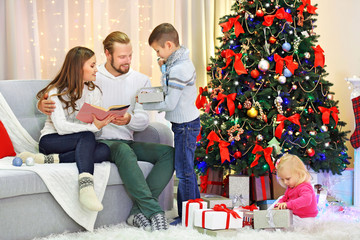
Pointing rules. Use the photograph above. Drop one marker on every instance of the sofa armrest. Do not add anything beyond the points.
(156, 133)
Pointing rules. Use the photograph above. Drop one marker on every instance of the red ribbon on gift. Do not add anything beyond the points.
(201, 100)
(294, 119)
(263, 187)
(307, 3)
(230, 102)
(238, 65)
(251, 207)
(221, 208)
(280, 14)
(267, 155)
(232, 22)
(319, 56)
(326, 114)
(197, 200)
(224, 151)
(280, 63)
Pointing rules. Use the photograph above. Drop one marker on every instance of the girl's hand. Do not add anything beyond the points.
(100, 124)
(282, 205)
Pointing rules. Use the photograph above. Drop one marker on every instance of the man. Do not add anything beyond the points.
(120, 85)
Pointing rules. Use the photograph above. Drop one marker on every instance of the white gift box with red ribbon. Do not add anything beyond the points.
(218, 218)
(188, 211)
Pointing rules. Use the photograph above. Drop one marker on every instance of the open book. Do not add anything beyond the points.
(86, 111)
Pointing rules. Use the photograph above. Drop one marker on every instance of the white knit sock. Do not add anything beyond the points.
(87, 195)
(25, 155)
(51, 158)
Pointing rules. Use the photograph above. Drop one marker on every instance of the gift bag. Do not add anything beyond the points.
(212, 182)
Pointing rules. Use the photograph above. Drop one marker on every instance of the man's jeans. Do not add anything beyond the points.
(81, 148)
(185, 143)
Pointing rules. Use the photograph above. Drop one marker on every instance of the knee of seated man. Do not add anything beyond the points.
(121, 153)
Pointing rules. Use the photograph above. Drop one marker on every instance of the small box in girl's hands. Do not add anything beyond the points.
(151, 95)
(273, 218)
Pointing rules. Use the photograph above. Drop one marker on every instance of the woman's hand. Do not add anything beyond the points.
(102, 123)
(45, 105)
(124, 120)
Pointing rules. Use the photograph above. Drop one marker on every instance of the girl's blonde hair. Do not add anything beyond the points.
(295, 165)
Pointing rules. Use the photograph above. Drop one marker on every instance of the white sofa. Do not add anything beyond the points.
(27, 209)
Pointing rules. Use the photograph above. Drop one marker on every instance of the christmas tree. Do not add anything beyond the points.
(268, 94)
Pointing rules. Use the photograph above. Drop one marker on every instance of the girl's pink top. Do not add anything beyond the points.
(301, 200)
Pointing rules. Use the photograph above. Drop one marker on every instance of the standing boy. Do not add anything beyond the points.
(178, 80)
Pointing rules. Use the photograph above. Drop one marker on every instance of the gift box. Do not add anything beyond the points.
(212, 182)
(218, 218)
(265, 204)
(188, 211)
(228, 233)
(276, 189)
(239, 190)
(260, 188)
(151, 94)
(248, 215)
(213, 200)
(273, 219)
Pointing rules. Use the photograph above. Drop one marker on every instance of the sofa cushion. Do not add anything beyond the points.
(7, 148)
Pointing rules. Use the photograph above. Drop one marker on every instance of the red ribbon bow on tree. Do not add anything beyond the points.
(198, 138)
(230, 102)
(280, 14)
(267, 155)
(204, 182)
(307, 3)
(201, 100)
(197, 200)
(224, 151)
(294, 119)
(280, 63)
(238, 65)
(232, 22)
(326, 114)
(319, 56)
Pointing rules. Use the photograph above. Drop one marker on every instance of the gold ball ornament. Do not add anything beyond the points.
(252, 112)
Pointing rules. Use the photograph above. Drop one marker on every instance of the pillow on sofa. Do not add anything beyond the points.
(7, 148)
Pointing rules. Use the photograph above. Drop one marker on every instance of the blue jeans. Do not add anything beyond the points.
(81, 148)
(185, 143)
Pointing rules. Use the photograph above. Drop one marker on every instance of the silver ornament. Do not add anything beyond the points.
(263, 65)
(282, 79)
(313, 133)
(290, 132)
(307, 55)
(327, 144)
(294, 87)
(324, 128)
(330, 97)
(259, 137)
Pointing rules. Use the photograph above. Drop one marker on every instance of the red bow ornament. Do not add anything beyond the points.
(326, 114)
(230, 102)
(307, 3)
(204, 182)
(319, 56)
(280, 14)
(238, 65)
(280, 63)
(201, 100)
(232, 22)
(280, 118)
(224, 151)
(267, 155)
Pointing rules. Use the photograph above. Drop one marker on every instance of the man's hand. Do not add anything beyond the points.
(124, 120)
(46, 106)
(100, 124)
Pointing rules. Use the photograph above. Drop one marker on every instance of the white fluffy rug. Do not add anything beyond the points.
(331, 225)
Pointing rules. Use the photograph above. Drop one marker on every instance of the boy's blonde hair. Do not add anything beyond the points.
(163, 33)
(295, 165)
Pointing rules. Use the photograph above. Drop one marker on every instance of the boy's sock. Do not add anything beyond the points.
(87, 195)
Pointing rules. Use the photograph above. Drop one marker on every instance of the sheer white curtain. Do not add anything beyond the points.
(36, 34)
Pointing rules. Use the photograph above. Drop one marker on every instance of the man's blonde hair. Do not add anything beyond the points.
(295, 165)
(114, 37)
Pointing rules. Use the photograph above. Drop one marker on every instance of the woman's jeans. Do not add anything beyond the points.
(81, 148)
(185, 143)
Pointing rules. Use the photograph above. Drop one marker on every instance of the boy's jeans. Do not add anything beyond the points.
(185, 143)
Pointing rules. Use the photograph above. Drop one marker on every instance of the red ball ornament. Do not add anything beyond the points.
(272, 40)
(310, 152)
(237, 155)
(251, 2)
(260, 13)
(254, 73)
(223, 53)
(208, 68)
(310, 110)
(239, 106)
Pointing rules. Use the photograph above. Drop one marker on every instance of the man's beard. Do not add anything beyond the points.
(118, 69)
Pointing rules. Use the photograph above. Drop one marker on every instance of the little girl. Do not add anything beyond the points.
(64, 139)
(299, 195)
